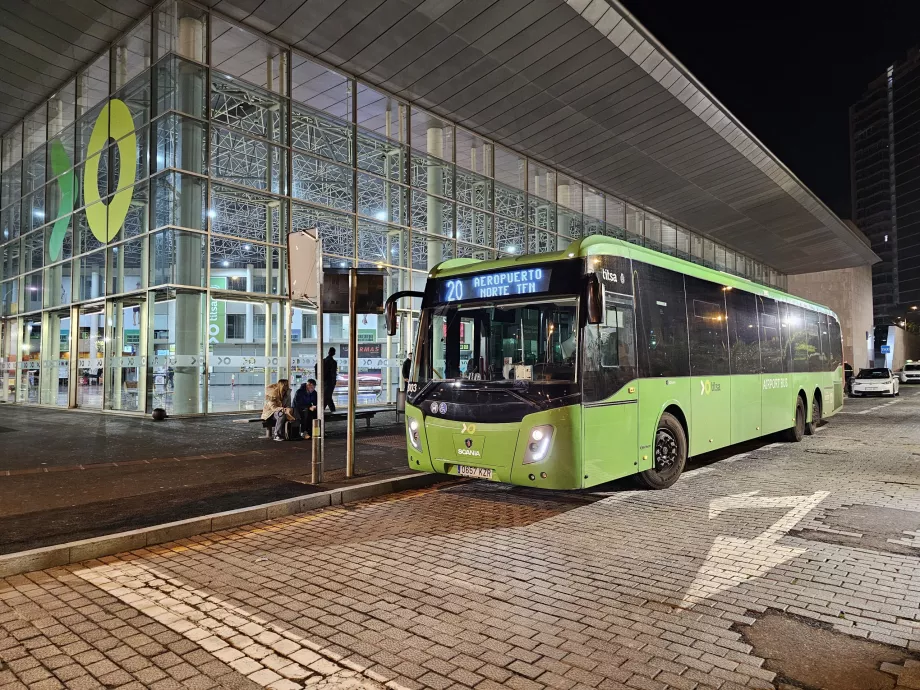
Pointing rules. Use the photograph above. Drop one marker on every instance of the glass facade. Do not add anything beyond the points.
(144, 210)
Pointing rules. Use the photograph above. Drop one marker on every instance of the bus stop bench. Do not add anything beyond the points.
(366, 413)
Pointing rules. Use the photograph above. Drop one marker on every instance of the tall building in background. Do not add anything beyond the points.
(885, 178)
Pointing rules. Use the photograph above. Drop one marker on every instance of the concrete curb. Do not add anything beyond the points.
(111, 544)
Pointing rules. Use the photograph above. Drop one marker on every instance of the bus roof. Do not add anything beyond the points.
(602, 245)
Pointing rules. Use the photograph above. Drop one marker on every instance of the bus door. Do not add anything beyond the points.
(711, 382)
(610, 394)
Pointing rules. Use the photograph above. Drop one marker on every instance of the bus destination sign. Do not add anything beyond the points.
(521, 281)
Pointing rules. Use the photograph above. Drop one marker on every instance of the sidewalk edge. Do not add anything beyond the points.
(120, 542)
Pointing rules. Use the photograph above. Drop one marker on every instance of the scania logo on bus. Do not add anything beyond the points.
(468, 443)
(469, 451)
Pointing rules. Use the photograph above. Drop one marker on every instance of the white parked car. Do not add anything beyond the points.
(878, 381)
(910, 373)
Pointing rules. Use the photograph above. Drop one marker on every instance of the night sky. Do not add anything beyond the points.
(791, 73)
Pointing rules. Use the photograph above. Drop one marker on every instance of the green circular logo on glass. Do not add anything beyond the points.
(104, 219)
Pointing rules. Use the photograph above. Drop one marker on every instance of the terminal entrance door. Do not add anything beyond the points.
(126, 361)
(56, 370)
(90, 355)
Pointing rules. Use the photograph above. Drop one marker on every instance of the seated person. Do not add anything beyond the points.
(305, 406)
(277, 400)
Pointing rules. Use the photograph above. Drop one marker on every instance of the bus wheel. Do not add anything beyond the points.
(670, 455)
(797, 433)
(810, 429)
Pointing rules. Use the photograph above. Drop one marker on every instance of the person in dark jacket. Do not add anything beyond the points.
(305, 405)
(330, 374)
(407, 368)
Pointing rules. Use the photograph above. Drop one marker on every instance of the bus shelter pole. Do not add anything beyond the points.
(319, 447)
(352, 370)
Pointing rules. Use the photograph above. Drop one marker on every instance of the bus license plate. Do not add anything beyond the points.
(475, 472)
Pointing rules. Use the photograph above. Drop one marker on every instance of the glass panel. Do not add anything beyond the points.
(474, 226)
(467, 251)
(136, 96)
(320, 88)
(473, 152)
(542, 214)
(432, 214)
(126, 373)
(34, 170)
(62, 108)
(570, 193)
(132, 54)
(321, 136)
(30, 349)
(10, 264)
(127, 269)
(180, 143)
(432, 175)
(56, 366)
(382, 200)
(59, 284)
(336, 231)
(33, 211)
(510, 237)
(12, 145)
(474, 190)
(541, 241)
(380, 244)
(243, 265)
(9, 350)
(542, 181)
(191, 97)
(378, 112)
(432, 135)
(510, 168)
(254, 111)
(86, 240)
(93, 84)
(243, 54)
(246, 161)
(570, 224)
(179, 199)
(175, 352)
(248, 215)
(12, 184)
(34, 129)
(381, 156)
(10, 221)
(90, 275)
(90, 356)
(178, 257)
(320, 182)
(32, 292)
(9, 297)
(33, 249)
(180, 28)
(141, 161)
(594, 203)
(510, 202)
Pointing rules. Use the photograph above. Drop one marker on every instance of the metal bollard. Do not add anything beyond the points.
(316, 476)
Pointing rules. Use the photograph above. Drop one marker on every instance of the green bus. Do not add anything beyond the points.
(605, 360)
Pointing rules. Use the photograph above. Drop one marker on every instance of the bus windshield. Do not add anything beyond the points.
(535, 342)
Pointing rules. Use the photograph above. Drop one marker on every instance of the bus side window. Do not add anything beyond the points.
(609, 360)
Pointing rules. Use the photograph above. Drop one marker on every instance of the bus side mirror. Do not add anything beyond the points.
(594, 299)
(390, 317)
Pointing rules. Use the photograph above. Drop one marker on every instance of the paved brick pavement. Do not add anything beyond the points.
(476, 585)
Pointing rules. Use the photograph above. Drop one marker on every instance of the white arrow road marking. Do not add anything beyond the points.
(266, 653)
(733, 560)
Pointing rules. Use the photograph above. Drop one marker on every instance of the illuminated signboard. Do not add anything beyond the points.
(521, 281)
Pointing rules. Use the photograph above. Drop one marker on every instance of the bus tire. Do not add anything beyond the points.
(812, 426)
(796, 433)
(670, 455)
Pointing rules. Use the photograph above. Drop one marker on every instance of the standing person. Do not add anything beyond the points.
(277, 400)
(407, 369)
(305, 406)
(330, 374)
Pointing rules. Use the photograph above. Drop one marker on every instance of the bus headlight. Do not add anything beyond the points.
(538, 443)
(413, 434)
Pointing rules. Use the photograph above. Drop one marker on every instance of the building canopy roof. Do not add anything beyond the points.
(577, 84)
